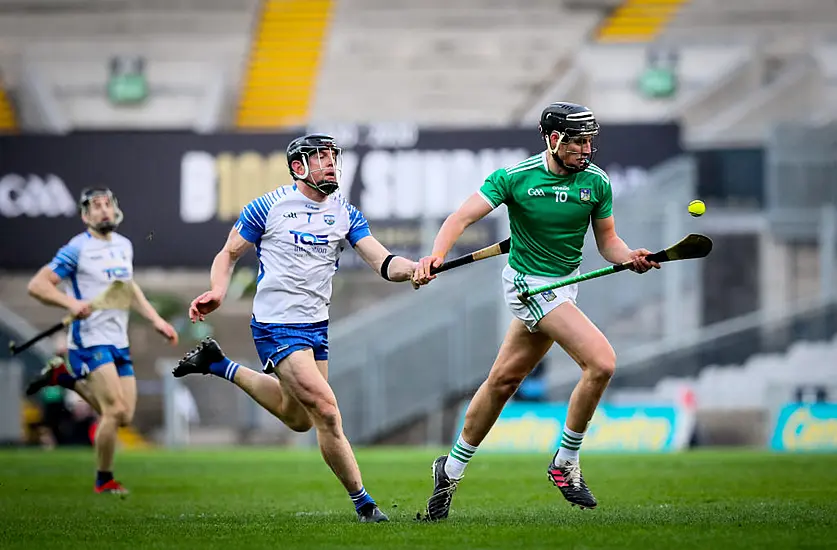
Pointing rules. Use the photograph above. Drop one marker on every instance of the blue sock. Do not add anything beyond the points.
(224, 368)
(103, 477)
(361, 498)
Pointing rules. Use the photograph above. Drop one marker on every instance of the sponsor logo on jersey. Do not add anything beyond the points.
(301, 237)
(117, 273)
(312, 206)
(560, 188)
(329, 219)
(584, 194)
(536, 192)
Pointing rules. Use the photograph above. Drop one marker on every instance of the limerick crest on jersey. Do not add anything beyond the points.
(584, 194)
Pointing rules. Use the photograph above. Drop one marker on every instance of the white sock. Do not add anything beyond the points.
(459, 457)
(570, 444)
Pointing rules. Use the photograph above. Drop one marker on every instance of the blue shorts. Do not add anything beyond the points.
(85, 360)
(275, 341)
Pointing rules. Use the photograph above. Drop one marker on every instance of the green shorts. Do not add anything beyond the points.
(538, 305)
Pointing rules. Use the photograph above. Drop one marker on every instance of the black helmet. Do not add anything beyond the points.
(570, 120)
(301, 148)
(87, 194)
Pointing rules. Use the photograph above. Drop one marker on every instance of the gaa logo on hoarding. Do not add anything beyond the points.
(34, 196)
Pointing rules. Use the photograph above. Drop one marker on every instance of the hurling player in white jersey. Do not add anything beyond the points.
(298, 232)
(101, 370)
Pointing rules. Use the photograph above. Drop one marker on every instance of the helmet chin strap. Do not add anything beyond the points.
(325, 187)
(554, 152)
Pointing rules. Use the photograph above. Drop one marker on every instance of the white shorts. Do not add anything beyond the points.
(538, 305)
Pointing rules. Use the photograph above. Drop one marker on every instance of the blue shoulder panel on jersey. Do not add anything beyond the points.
(358, 226)
(65, 262)
(253, 219)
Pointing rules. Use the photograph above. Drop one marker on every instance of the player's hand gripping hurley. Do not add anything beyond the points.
(495, 249)
(117, 296)
(690, 247)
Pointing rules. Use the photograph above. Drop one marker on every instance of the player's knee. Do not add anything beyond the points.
(299, 423)
(327, 416)
(504, 384)
(118, 411)
(127, 418)
(603, 365)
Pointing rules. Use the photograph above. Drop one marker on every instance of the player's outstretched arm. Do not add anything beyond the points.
(144, 308)
(472, 210)
(44, 288)
(392, 268)
(613, 248)
(219, 276)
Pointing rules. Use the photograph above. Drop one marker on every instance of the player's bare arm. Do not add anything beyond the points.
(613, 248)
(219, 276)
(44, 287)
(398, 269)
(144, 308)
(472, 210)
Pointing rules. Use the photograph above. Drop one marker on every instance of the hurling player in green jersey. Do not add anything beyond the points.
(551, 198)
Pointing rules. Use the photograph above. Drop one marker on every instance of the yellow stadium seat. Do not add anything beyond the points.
(281, 75)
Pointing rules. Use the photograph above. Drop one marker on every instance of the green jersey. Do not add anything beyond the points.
(548, 214)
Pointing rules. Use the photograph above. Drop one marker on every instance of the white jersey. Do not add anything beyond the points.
(298, 243)
(87, 266)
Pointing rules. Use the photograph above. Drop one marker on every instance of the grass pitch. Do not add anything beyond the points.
(283, 499)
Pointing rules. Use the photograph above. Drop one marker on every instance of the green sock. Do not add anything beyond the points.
(570, 444)
(459, 457)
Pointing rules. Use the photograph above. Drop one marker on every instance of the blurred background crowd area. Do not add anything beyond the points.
(184, 108)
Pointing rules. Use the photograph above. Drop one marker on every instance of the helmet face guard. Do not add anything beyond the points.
(87, 195)
(320, 157)
(571, 122)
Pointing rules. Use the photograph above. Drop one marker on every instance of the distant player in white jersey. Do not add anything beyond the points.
(100, 369)
(299, 232)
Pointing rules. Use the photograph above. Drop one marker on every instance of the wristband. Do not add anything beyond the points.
(385, 267)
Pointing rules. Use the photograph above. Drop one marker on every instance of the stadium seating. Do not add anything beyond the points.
(434, 63)
(607, 77)
(191, 48)
(746, 386)
(779, 77)
(8, 119)
(277, 88)
(638, 20)
(752, 20)
(737, 61)
(441, 63)
(429, 62)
